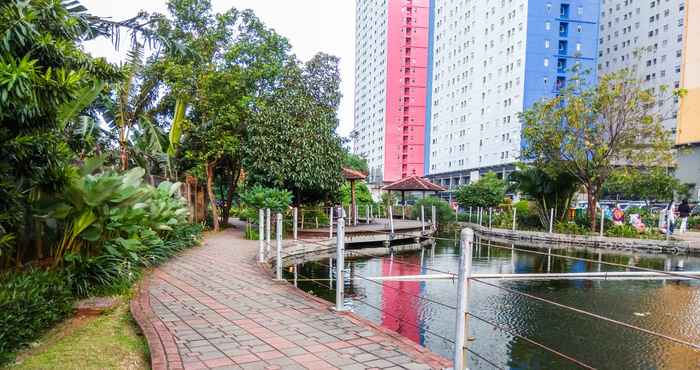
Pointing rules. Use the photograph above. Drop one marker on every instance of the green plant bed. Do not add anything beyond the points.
(109, 341)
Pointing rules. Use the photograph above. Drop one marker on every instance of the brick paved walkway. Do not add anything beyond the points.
(214, 307)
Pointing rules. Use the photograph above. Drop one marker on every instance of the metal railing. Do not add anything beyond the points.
(464, 277)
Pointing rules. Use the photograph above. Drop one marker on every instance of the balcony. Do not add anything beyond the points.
(564, 11)
(564, 29)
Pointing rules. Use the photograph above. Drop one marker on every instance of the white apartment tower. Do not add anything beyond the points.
(370, 75)
(645, 36)
(491, 60)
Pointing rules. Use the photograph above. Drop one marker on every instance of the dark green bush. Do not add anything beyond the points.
(30, 303)
(571, 228)
(445, 213)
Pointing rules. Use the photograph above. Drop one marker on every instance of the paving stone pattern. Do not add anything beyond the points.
(214, 307)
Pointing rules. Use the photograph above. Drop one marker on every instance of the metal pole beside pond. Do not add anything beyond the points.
(340, 266)
(456, 213)
(367, 214)
(551, 220)
(357, 212)
(515, 214)
(267, 232)
(470, 214)
(278, 239)
(371, 213)
(261, 236)
(296, 275)
(403, 212)
(295, 214)
(602, 221)
(490, 216)
(330, 223)
(465, 272)
(433, 210)
(391, 219)
(422, 219)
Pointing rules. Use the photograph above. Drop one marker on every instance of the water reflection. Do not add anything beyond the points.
(666, 306)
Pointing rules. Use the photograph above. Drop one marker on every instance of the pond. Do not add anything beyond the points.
(671, 307)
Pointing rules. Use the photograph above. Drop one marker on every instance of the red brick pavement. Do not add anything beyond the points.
(215, 307)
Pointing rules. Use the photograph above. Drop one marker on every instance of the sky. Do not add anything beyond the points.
(311, 26)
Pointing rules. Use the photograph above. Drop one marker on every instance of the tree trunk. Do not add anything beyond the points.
(123, 156)
(232, 186)
(591, 206)
(210, 192)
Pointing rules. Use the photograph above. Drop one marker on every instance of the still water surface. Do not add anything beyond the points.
(665, 306)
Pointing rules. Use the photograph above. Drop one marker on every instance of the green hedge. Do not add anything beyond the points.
(30, 303)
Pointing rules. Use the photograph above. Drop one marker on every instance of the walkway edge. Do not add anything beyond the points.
(144, 316)
(411, 348)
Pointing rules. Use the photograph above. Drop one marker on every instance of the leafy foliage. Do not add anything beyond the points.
(445, 213)
(489, 191)
(654, 184)
(587, 131)
(259, 197)
(362, 194)
(292, 142)
(30, 303)
(547, 190)
(355, 162)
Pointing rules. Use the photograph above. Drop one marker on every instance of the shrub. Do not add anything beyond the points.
(30, 302)
(571, 228)
(445, 213)
(622, 231)
(259, 197)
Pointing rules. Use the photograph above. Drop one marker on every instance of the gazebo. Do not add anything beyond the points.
(352, 176)
(413, 183)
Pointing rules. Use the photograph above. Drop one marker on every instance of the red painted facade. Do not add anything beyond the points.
(407, 62)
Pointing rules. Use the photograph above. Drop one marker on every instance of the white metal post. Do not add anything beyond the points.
(602, 222)
(490, 216)
(330, 223)
(434, 214)
(357, 212)
(403, 212)
(371, 212)
(391, 219)
(465, 272)
(457, 214)
(340, 266)
(268, 225)
(470, 214)
(515, 214)
(551, 220)
(422, 218)
(367, 214)
(296, 275)
(295, 213)
(278, 239)
(261, 236)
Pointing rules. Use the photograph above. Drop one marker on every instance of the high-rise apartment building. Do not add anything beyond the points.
(490, 60)
(645, 36)
(391, 57)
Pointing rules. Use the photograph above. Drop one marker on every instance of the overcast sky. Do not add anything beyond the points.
(311, 26)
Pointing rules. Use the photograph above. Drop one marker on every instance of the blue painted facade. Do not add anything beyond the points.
(571, 23)
(429, 89)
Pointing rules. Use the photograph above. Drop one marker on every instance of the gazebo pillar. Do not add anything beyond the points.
(352, 202)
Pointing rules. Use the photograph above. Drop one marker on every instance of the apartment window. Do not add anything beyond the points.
(579, 11)
(547, 26)
(546, 44)
(546, 62)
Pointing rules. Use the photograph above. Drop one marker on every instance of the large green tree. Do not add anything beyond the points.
(292, 142)
(587, 131)
(488, 191)
(233, 62)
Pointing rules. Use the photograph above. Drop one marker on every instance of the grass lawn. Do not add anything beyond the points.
(109, 341)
